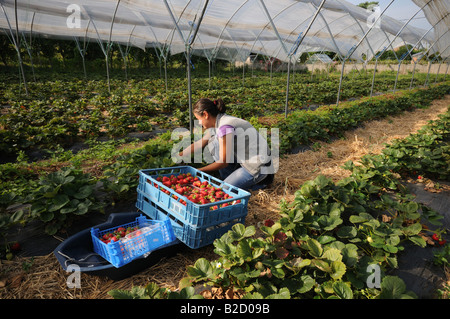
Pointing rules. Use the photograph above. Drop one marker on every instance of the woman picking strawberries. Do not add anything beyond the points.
(241, 154)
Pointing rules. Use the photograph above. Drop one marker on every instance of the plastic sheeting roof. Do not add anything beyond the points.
(438, 14)
(230, 29)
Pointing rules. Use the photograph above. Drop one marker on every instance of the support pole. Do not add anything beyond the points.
(15, 41)
(446, 71)
(353, 49)
(373, 77)
(108, 48)
(287, 88)
(188, 44)
(82, 53)
(340, 82)
(438, 70)
(428, 50)
(294, 49)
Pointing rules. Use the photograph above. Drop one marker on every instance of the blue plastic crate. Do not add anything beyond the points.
(154, 234)
(193, 237)
(195, 215)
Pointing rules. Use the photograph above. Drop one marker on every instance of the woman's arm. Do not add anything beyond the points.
(197, 145)
(222, 162)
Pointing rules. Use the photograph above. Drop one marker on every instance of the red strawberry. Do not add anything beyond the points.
(15, 246)
(435, 237)
(268, 223)
(280, 236)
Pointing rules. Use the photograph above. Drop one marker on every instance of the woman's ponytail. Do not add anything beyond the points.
(212, 107)
(220, 104)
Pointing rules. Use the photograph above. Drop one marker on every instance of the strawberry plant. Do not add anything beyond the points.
(60, 195)
(320, 247)
(426, 152)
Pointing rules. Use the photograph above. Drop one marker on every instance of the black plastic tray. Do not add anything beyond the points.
(78, 250)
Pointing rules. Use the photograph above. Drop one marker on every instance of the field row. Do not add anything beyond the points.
(63, 112)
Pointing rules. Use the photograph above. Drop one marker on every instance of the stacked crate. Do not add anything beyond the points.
(194, 224)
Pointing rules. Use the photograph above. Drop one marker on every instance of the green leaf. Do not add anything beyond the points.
(338, 270)
(255, 295)
(392, 261)
(314, 247)
(68, 180)
(393, 287)
(278, 272)
(329, 222)
(16, 216)
(58, 202)
(325, 239)
(84, 192)
(46, 216)
(51, 229)
(239, 231)
(67, 210)
(306, 284)
(321, 265)
(222, 248)
(83, 207)
(201, 269)
(342, 290)
(350, 255)
(393, 240)
(360, 218)
(413, 229)
(411, 209)
(332, 254)
(321, 181)
(390, 249)
(185, 293)
(283, 293)
(419, 241)
(50, 192)
(298, 263)
(37, 208)
(347, 232)
(244, 250)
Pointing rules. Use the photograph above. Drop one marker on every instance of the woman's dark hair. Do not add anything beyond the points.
(212, 107)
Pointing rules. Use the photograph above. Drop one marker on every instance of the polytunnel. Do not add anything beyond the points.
(231, 30)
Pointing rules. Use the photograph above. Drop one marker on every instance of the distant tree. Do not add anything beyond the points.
(368, 4)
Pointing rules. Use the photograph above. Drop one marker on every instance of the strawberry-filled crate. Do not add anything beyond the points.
(192, 236)
(124, 243)
(193, 197)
